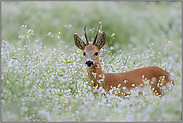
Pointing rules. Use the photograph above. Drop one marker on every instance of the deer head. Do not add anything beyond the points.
(90, 51)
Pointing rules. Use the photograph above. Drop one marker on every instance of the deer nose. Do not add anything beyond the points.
(89, 63)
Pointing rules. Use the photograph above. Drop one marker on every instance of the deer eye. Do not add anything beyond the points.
(84, 54)
(96, 53)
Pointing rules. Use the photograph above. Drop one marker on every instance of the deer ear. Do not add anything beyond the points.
(101, 41)
(79, 42)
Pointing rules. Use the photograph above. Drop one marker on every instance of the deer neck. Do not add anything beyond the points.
(95, 73)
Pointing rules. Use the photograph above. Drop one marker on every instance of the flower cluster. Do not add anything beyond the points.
(42, 84)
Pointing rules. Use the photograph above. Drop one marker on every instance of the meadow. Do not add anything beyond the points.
(43, 77)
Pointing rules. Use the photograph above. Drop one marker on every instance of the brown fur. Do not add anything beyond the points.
(133, 78)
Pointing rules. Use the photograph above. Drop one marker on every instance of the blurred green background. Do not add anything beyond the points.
(132, 23)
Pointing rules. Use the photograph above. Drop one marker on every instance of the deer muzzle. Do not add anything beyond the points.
(89, 63)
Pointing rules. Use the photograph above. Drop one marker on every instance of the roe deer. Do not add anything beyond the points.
(128, 79)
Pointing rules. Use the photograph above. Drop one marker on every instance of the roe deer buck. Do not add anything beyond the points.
(134, 78)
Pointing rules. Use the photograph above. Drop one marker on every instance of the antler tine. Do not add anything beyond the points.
(95, 36)
(87, 43)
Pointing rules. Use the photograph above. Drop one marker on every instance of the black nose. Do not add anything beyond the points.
(89, 63)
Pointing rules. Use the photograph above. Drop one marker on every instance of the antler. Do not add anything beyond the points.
(87, 43)
(95, 36)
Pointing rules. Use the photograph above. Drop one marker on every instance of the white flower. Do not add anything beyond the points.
(49, 33)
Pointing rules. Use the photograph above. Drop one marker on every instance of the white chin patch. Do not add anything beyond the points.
(89, 66)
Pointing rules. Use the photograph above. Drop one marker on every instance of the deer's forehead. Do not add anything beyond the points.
(91, 48)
